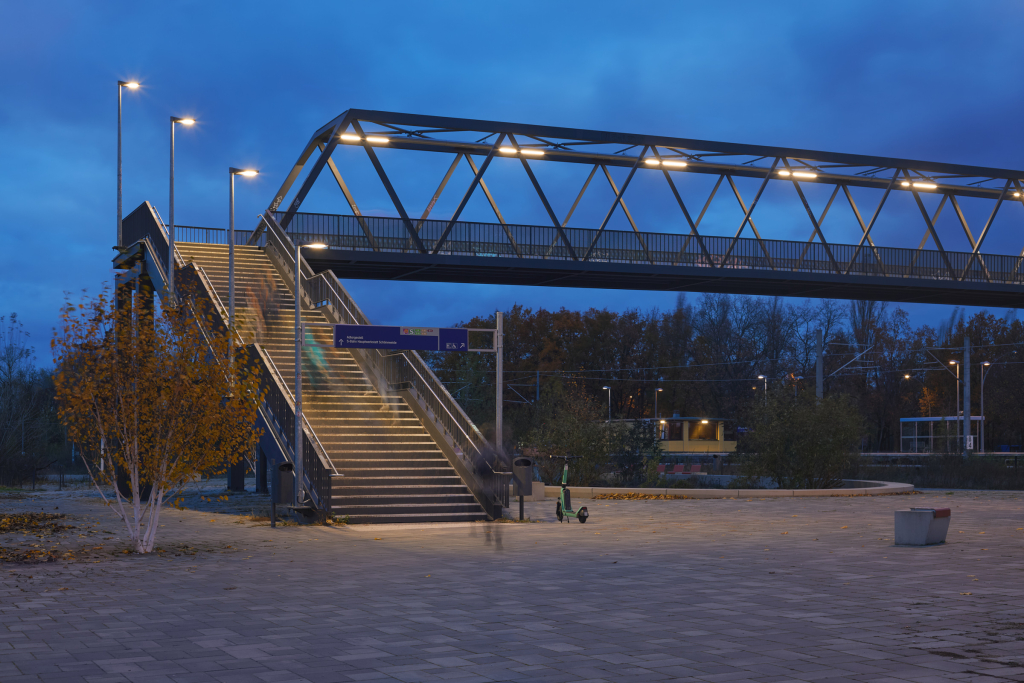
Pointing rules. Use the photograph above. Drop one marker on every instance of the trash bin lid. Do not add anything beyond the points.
(522, 462)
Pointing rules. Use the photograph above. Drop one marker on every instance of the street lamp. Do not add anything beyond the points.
(131, 85)
(609, 389)
(170, 228)
(298, 364)
(765, 378)
(956, 393)
(656, 392)
(984, 365)
(232, 172)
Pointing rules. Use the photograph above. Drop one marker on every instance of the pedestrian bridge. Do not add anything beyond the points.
(367, 247)
(569, 252)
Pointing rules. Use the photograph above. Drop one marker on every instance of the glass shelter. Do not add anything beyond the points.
(937, 434)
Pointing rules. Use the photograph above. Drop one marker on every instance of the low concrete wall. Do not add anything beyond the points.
(872, 488)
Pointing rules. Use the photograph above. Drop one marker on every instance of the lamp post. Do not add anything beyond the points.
(765, 378)
(985, 365)
(298, 365)
(656, 392)
(232, 172)
(956, 392)
(609, 390)
(131, 85)
(170, 228)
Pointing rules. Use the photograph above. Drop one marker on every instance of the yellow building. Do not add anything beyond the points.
(694, 435)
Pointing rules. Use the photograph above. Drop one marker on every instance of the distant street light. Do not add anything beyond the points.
(298, 365)
(656, 392)
(131, 85)
(984, 365)
(765, 388)
(609, 389)
(957, 394)
(232, 172)
(170, 228)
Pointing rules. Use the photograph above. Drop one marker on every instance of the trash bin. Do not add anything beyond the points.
(285, 484)
(522, 477)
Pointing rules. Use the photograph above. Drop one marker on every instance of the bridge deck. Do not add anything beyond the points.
(379, 248)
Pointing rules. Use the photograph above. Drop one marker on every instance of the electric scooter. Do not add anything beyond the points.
(563, 508)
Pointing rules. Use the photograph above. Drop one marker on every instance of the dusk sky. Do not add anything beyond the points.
(921, 80)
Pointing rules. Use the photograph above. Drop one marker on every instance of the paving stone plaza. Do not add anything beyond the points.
(804, 589)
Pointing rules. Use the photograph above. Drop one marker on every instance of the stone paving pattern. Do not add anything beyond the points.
(711, 590)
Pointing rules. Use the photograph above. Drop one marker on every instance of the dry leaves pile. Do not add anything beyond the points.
(40, 524)
(636, 496)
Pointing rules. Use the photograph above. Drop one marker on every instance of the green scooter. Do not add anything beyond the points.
(563, 508)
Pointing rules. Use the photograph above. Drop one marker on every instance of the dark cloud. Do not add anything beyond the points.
(935, 80)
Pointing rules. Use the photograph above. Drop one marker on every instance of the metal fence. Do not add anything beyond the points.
(190, 233)
(372, 233)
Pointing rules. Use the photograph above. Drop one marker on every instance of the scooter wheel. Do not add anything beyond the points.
(583, 520)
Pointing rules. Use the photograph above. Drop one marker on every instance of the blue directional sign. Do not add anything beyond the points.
(405, 338)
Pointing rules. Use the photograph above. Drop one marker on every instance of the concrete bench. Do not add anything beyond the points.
(922, 526)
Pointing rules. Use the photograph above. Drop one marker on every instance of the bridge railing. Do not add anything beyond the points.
(663, 249)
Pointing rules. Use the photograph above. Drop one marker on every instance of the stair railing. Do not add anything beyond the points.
(405, 370)
(278, 408)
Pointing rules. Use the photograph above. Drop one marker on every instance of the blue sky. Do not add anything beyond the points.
(928, 80)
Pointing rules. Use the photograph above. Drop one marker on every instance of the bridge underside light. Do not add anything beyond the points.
(651, 162)
(1016, 194)
(529, 151)
(674, 164)
(350, 137)
(798, 174)
(377, 139)
(507, 150)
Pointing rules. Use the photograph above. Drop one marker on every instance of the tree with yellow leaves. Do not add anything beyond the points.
(159, 397)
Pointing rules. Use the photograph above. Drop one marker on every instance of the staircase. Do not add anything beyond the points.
(393, 469)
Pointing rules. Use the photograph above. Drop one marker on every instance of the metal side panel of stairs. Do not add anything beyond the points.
(393, 469)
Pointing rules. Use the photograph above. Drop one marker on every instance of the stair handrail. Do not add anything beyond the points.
(437, 399)
(290, 398)
(383, 361)
(211, 292)
(448, 416)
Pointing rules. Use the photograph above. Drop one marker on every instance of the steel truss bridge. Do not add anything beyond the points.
(407, 247)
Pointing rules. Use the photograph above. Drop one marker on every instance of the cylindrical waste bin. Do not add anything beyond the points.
(285, 484)
(522, 477)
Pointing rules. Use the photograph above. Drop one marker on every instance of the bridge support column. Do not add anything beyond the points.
(261, 471)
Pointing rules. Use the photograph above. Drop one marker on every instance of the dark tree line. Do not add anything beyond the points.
(30, 436)
(706, 355)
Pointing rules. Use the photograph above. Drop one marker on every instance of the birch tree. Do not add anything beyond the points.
(157, 396)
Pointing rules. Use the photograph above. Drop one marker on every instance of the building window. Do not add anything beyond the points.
(700, 431)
